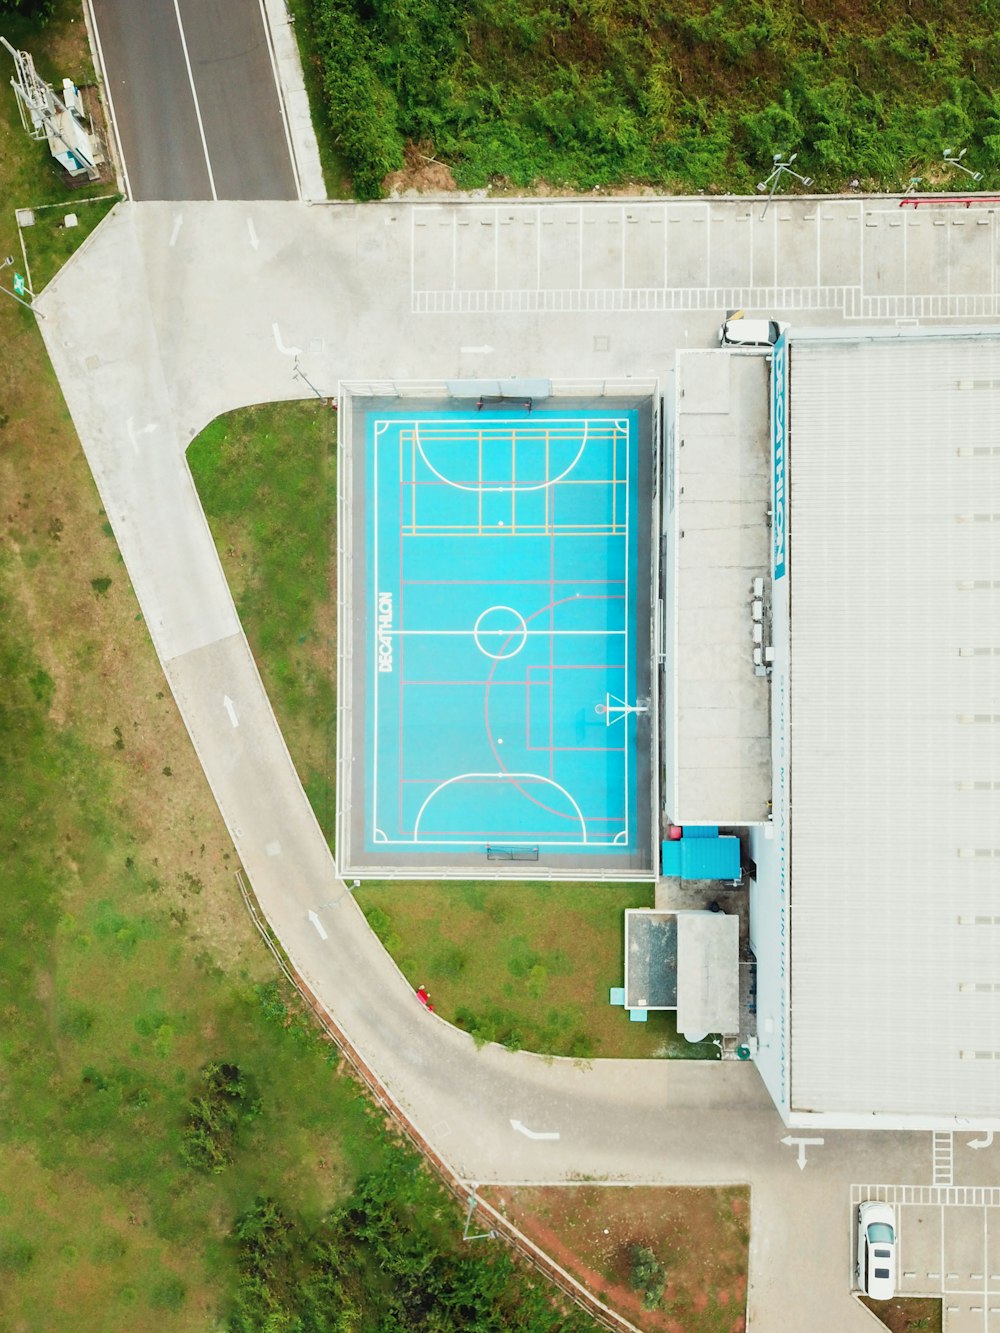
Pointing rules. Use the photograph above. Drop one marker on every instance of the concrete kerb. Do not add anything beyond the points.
(461, 1190)
(294, 101)
(104, 93)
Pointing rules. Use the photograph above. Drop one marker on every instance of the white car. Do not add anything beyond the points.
(876, 1266)
(740, 332)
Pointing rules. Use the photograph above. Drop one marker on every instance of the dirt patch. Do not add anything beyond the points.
(422, 173)
(699, 1237)
(907, 1314)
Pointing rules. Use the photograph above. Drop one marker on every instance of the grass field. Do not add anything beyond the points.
(528, 965)
(697, 95)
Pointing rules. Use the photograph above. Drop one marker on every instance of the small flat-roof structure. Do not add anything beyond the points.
(688, 961)
(716, 724)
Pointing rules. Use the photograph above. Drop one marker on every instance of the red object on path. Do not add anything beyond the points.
(424, 998)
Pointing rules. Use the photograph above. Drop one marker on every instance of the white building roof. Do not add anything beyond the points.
(718, 768)
(894, 562)
(708, 974)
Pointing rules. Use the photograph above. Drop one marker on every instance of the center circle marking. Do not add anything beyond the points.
(510, 632)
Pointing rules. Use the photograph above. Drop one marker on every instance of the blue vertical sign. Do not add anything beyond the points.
(779, 429)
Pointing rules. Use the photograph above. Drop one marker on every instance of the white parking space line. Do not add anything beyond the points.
(194, 98)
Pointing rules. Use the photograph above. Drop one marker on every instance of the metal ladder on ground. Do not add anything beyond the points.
(943, 1159)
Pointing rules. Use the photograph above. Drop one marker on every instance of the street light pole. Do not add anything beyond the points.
(952, 159)
(13, 295)
(778, 169)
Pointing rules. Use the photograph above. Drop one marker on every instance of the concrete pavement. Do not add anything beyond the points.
(171, 314)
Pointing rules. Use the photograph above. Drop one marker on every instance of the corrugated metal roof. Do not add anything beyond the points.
(894, 476)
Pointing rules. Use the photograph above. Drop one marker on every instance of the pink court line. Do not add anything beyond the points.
(575, 749)
(489, 485)
(508, 583)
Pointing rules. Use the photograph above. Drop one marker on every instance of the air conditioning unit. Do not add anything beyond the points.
(768, 654)
(758, 657)
(758, 587)
(758, 633)
(757, 610)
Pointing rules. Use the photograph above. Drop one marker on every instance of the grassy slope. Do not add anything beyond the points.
(529, 965)
(696, 95)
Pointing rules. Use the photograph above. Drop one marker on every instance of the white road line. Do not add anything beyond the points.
(283, 110)
(252, 231)
(176, 229)
(194, 98)
(92, 25)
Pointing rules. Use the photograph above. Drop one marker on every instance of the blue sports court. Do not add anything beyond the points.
(502, 591)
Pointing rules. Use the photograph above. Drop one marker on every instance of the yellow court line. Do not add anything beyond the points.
(614, 480)
(513, 483)
(548, 489)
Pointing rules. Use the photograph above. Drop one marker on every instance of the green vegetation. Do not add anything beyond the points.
(384, 1261)
(49, 242)
(693, 96)
(527, 965)
(648, 1276)
(267, 478)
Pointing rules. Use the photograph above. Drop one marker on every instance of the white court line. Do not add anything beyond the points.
(194, 98)
(506, 633)
(107, 93)
(500, 777)
(502, 490)
(607, 841)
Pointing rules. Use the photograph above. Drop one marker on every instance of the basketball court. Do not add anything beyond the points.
(501, 672)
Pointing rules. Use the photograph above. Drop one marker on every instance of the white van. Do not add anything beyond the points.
(740, 332)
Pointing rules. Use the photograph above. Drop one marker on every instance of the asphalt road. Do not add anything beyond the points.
(193, 92)
(173, 313)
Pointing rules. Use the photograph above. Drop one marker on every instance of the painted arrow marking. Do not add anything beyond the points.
(476, 351)
(533, 1133)
(802, 1145)
(178, 223)
(253, 234)
(286, 351)
(230, 708)
(984, 1142)
(133, 436)
(318, 924)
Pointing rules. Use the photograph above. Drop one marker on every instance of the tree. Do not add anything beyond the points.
(648, 1276)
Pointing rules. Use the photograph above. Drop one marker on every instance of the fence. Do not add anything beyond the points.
(502, 1226)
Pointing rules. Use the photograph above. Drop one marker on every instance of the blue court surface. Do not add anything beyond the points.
(501, 674)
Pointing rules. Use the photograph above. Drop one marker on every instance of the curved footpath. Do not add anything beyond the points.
(171, 314)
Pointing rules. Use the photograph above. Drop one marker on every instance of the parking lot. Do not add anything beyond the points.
(948, 1246)
(853, 258)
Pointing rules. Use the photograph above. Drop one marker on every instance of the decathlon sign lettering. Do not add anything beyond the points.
(384, 631)
(779, 421)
